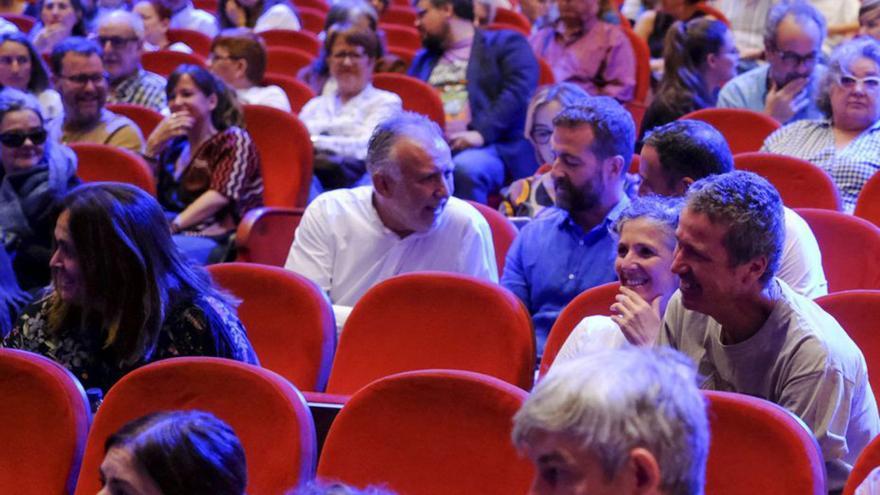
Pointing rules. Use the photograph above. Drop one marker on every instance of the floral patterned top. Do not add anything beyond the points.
(204, 326)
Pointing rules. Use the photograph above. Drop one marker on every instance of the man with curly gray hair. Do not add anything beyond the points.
(749, 332)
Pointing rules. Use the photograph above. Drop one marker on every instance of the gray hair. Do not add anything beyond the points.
(13, 100)
(841, 60)
(751, 209)
(380, 150)
(663, 211)
(614, 132)
(564, 93)
(613, 401)
(801, 11)
(130, 18)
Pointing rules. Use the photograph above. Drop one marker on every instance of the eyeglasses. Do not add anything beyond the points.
(84, 79)
(17, 139)
(850, 82)
(541, 134)
(792, 58)
(20, 60)
(116, 42)
(353, 56)
(213, 58)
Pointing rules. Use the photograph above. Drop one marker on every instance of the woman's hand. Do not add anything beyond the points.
(639, 321)
(50, 36)
(172, 126)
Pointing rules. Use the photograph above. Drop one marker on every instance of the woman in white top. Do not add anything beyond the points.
(157, 21)
(22, 68)
(341, 122)
(259, 15)
(644, 257)
(238, 57)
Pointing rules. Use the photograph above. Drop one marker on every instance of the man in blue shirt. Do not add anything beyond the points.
(570, 248)
(786, 88)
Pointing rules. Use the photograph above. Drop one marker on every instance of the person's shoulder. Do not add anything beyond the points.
(387, 96)
(152, 79)
(501, 38)
(342, 202)
(549, 219)
(462, 212)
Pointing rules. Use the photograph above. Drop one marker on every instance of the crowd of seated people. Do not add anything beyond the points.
(105, 278)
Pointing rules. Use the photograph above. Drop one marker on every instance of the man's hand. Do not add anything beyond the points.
(783, 103)
(466, 139)
(639, 321)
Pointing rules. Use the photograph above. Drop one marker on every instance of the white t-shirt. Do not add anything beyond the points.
(801, 263)
(195, 19)
(278, 16)
(270, 96)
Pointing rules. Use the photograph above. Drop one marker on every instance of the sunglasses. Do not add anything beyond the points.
(17, 139)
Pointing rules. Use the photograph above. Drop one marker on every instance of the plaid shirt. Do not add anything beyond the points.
(141, 88)
(813, 140)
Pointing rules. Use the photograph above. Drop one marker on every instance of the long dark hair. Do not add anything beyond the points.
(132, 273)
(687, 46)
(228, 111)
(252, 14)
(79, 29)
(189, 452)
(39, 77)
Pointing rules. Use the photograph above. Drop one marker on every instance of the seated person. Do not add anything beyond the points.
(80, 78)
(846, 143)
(157, 20)
(485, 79)
(750, 333)
(59, 20)
(594, 426)
(646, 230)
(122, 296)
(36, 174)
(238, 57)
(121, 35)
(570, 248)
(786, 87)
(174, 452)
(257, 15)
(340, 123)
(869, 18)
(584, 50)
(699, 58)
(352, 239)
(22, 68)
(208, 166)
(652, 25)
(681, 152)
(185, 16)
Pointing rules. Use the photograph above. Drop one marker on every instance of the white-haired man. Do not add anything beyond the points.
(121, 35)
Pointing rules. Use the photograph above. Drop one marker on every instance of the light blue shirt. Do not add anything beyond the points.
(749, 91)
(553, 260)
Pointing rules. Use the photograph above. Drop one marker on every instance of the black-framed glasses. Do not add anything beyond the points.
(83, 79)
(794, 59)
(116, 42)
(16, 139)
(541, 134)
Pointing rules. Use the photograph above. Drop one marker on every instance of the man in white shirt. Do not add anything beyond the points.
(749, 332)
(351, 239)
(677, 154)
(185, 16)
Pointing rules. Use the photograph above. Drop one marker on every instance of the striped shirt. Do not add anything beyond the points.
(813, 140)
(141, 88)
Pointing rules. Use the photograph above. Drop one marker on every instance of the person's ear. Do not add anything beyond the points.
(614, 166)
(754, 269)
(381, 184)
(682, 186)
(645, 472)
(212, 101)
(448, 10)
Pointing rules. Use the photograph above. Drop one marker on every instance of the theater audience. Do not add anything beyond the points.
(208, 166)
(59, 20)
(37, 172)
(121, 36)
(529, 196)
(22, 68)
(869, 18)
(80, 78)
(238, 57)
(750, 333)
(352, 239)
(176, 452)
(584, 50)
(541, 13)
(787, 87)
(259, 15)
(699, 57)
(341, 123)
(621, 422)
(485, 79)
(646, 231)
(157, 20)
(677, 154)
(847, 143)
(122, 296)
(185, 16)
(571, 248)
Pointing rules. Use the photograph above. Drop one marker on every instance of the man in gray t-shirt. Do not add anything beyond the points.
(749, 332)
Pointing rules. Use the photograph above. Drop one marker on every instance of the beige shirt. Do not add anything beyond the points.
(111, 129)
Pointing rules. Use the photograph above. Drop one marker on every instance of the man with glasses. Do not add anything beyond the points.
(786, 88)
(79, 76)
(121, 36)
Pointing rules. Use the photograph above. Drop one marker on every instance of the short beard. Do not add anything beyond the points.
(574, 200)
(436, 42)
